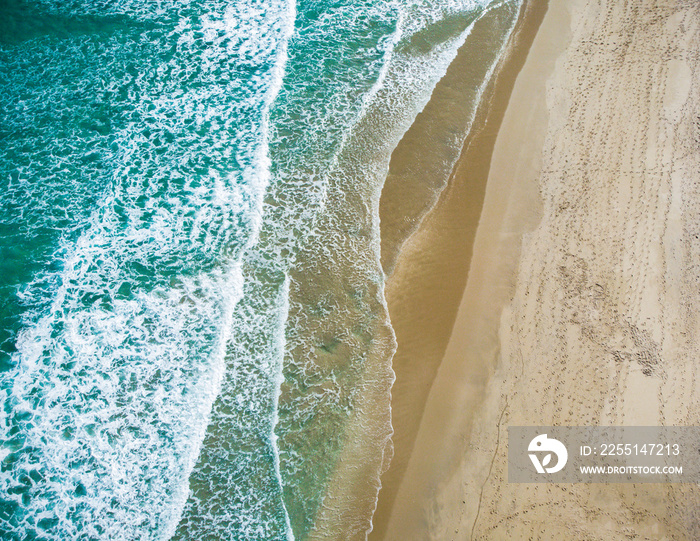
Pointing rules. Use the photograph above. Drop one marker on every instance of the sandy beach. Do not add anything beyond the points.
(577, 300)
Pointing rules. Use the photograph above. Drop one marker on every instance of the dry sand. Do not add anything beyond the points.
(582, 300)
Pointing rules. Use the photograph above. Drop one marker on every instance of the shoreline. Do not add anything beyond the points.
(581, 301)
(433, 265)
(350, 495)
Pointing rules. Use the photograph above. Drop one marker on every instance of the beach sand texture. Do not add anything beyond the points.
(581, 306)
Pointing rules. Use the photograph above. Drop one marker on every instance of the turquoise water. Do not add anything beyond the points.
(190, 289)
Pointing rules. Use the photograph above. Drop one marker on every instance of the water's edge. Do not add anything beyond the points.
(429, 270)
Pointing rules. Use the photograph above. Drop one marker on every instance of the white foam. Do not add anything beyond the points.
(118, 387)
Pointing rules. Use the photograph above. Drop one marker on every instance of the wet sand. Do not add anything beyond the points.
(581, 301)
(429, 274)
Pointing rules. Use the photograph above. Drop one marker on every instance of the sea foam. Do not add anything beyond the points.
(125, 326)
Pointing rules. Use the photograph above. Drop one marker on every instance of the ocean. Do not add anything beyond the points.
(193, 334)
